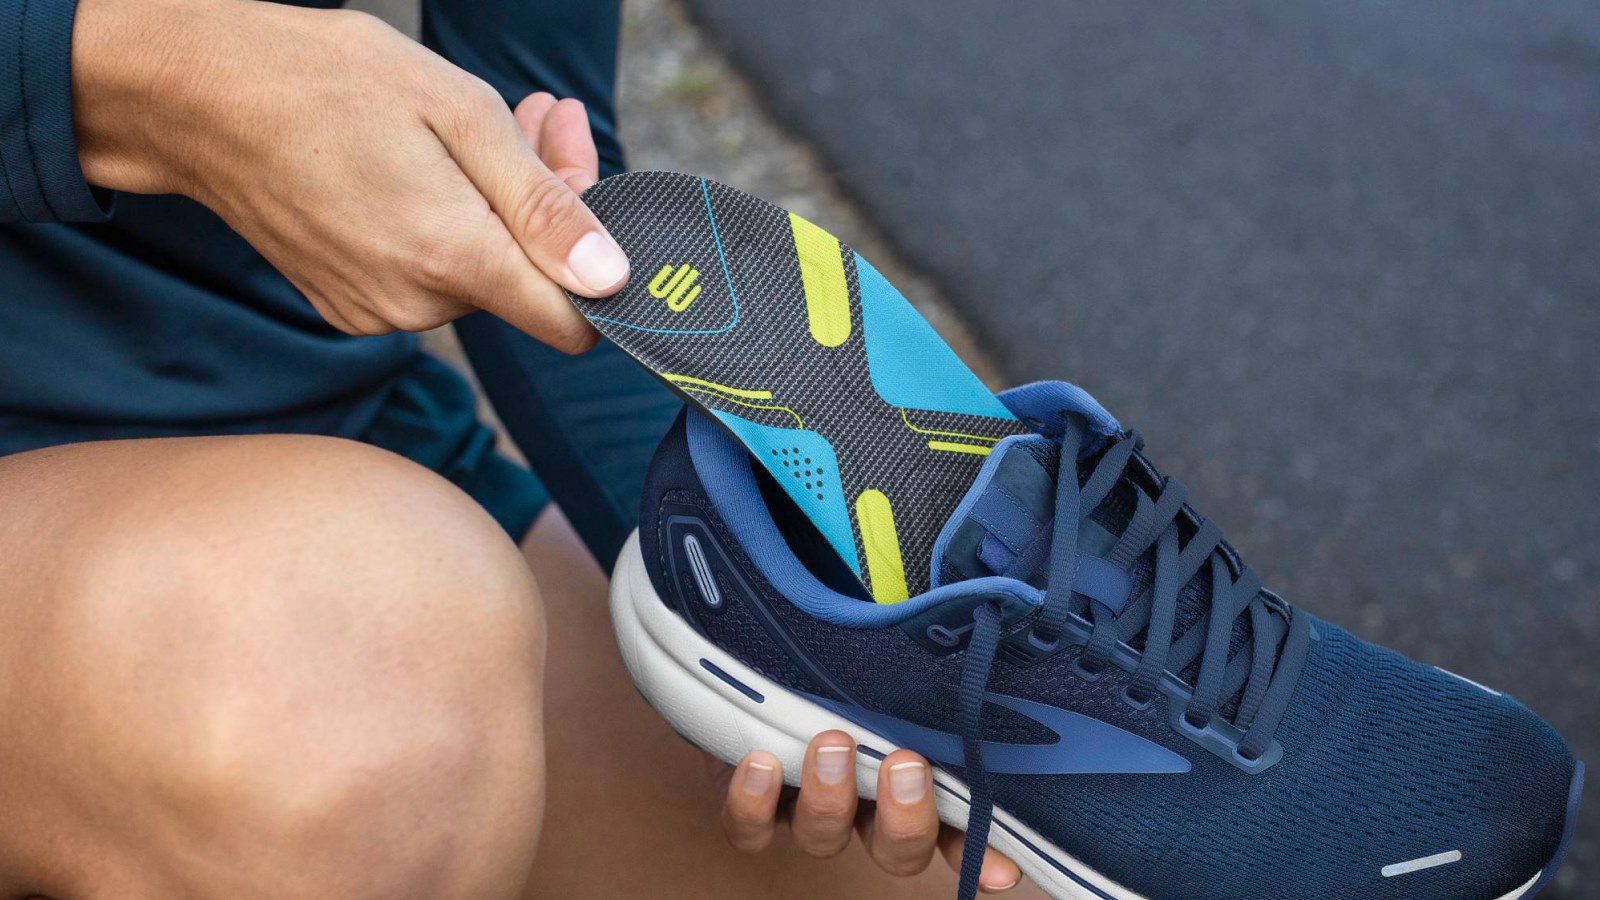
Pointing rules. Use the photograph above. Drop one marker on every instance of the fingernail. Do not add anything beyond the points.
(597, 261)
(833, 764)
(998, 888)
(908, 782)
(757, 778)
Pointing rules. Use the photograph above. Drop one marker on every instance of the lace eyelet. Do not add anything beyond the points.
(1192, 727)
(1247, 761)
(1040, 644)
(1128, 698)
(1086, 674)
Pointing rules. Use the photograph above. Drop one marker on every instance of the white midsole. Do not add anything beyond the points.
(663, 655)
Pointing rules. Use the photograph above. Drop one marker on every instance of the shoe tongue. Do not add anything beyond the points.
(1009, 504)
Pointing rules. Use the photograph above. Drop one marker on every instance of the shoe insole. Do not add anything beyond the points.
(808, 356)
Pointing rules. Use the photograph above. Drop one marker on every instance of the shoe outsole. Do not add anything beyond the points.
(728, 709)
(803, 352)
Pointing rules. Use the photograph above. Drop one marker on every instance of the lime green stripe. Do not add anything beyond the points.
(952, 447)
(798, 422)
(822, 274)
(959, 434)
(885, 569)
(737, 392)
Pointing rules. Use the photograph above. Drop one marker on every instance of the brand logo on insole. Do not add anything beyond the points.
(676, 286)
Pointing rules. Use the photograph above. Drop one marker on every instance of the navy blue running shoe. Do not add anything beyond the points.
(847, 530)
(1115, 692)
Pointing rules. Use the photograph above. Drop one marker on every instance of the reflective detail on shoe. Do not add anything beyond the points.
(1417, 865)
(885, 569)
(822, 274)
(702, 572)
(738, 590)
(1485, 688)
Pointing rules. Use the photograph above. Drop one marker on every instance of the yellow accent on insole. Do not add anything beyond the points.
(822, 275)
(959, 434)
(679, 301)
(666, 280)
(953, 447)
(674, 286)
(798, 422)
(737, 392)
(885, 569)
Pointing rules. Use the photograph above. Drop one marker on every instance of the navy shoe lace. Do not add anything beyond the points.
(1261, 676)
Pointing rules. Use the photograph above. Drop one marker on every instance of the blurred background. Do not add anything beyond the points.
(1340, 263)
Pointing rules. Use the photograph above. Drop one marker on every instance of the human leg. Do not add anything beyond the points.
(261, 667)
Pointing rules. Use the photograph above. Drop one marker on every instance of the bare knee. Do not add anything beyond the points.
(304, 666)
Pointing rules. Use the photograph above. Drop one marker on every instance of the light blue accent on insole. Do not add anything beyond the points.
(774, 447)
(722, 463)
(910, 365)
(733, 295)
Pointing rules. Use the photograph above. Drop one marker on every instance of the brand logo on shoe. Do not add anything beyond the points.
(1083, 745)
(676, 286)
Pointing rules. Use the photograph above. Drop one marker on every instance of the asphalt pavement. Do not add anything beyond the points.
(1340, 263)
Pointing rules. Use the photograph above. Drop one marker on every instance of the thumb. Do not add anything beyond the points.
(552, 226)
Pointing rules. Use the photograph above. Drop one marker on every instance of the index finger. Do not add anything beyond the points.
(559, 132)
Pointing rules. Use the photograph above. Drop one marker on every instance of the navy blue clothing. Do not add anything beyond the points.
(429, 414)
(159, 320)
(38, 151)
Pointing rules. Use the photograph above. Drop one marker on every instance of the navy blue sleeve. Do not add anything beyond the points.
(587, 424)
(38, 148)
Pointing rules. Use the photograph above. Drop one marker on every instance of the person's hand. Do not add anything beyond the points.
(392, 188)
(901, 830)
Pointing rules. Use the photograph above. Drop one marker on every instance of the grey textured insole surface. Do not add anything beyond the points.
(807, 355)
